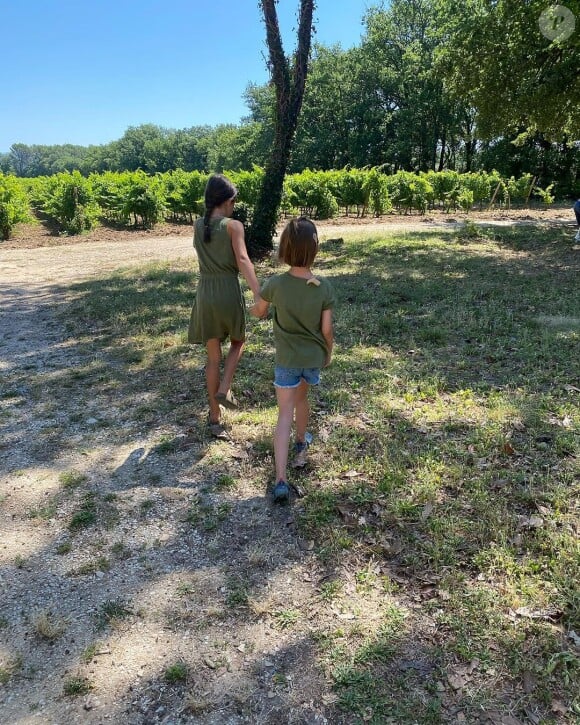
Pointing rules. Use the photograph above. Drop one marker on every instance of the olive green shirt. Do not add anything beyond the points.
(297, 312)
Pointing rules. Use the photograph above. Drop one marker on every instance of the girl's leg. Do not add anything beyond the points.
(302, 410)
(286, 403)
(212, 377)
(230, 365)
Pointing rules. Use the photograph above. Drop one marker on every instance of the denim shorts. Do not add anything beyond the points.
(292, 377)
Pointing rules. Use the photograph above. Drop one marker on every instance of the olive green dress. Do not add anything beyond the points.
(218, 310)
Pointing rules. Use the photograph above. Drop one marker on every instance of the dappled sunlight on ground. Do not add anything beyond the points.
(426, 575)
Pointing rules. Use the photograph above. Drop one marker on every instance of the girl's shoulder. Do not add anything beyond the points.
(274, 281)
(276, 278)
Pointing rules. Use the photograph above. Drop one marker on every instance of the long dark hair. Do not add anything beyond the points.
(218, 189)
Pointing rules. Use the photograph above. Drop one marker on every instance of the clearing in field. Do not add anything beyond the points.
(428, 575)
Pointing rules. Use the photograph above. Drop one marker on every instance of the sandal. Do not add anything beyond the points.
(227, 400)
(301, 452)
(217, 430)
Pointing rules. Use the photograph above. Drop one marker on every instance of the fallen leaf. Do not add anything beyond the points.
(508, 449)
(348, 514)
(329, 699)
(456, 681)
(473, 665)
(530, 522)
(558, 707)
(529, 613)
(351, 474)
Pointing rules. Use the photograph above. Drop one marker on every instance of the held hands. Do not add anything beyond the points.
(260, 308)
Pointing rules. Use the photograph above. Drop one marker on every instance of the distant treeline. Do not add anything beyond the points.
(75, 203)
(422, 92)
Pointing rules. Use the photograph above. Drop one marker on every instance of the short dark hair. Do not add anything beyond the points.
(298, 243)
(217, 190)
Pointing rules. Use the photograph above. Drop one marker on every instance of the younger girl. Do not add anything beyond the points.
(302, 314)
(218, 311)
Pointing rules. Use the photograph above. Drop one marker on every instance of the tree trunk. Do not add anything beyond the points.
(442, 155)
(289, 83)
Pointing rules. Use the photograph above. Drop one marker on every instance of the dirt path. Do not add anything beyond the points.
(73, 261)
(130, 616)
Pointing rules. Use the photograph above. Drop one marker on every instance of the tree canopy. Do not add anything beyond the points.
(496, 55)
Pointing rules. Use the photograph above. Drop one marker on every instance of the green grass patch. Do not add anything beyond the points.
(176, 673)
(76, 686)
(444, 469)
(72, 479)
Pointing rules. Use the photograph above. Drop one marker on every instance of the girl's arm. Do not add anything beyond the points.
(328, 334)
(236, 232)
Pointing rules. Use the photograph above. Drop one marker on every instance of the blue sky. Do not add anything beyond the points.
(82, 72)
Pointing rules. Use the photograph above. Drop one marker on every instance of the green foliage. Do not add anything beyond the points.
(519, 189)
(109, 191)
(349, 189)
(76, 686)
(478, 184)
(70, 200)
(194, 187)
(545, 195)
(145, 200)
(138, 198)
(465, 200)
(14, 205)
(409, 191)
(494, 56)
(376, 190)
(176, 672)
(183, 193)
(309, 193)
(248, 184)
(446, 188)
